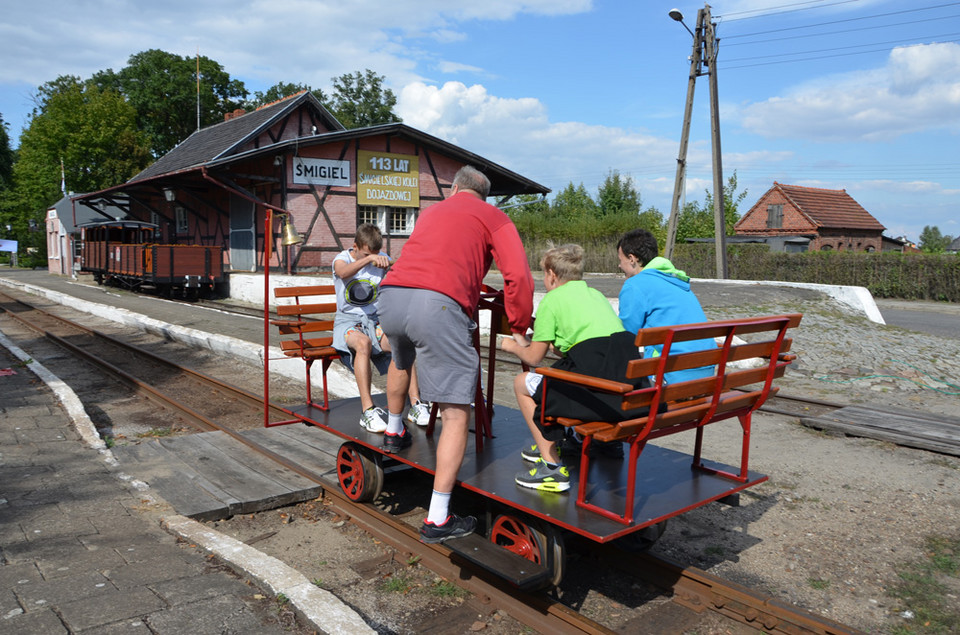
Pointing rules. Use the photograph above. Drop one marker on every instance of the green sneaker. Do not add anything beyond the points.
(545, 479)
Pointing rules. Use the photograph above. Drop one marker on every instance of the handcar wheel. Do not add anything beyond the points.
(360, 472)
(642, 540)
(538, 542)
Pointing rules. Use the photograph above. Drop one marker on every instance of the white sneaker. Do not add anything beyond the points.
(419, 414)
(374, 420)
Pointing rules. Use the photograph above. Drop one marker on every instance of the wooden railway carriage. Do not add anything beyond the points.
(125, 253)
(521, 531)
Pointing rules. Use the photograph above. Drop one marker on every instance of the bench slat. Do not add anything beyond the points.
(702, 330)
(696, 359)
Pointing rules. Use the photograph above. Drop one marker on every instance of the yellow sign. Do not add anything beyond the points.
(388, 179)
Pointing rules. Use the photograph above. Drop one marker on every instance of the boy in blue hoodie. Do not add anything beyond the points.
(658, 294)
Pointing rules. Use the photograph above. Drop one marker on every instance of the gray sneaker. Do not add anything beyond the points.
(545, 479)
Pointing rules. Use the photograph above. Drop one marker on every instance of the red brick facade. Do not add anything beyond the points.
(830, 218)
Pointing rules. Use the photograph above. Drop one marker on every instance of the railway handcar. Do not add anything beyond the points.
(624, 501)
(125, 253)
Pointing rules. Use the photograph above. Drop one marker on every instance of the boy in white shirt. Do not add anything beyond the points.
(357, 336)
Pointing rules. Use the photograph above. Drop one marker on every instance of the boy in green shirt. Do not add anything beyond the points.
(570, 313)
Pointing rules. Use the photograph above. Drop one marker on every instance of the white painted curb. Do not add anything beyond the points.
(322, 608)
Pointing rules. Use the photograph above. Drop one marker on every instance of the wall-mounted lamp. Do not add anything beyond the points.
(278, 160)
(169, 194)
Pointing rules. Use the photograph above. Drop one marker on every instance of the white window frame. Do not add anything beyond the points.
(392, 221)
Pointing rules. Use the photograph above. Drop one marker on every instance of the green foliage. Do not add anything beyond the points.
(360, 100)
(6, 156)
(163, 89)
(932, 241)
(92, 131)
(617, 195)
(573, 204)
(885, 275)
(696, 220)
(279, 91)
(926, 586)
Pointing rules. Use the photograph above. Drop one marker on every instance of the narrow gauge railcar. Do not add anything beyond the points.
(125, 253)
(626, 501)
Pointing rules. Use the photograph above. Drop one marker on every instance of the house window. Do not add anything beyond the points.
(183, 227)
(392, 221)
(775, 216)
(155, 218)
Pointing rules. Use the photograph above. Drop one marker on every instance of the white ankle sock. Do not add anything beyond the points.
(439, 507)
(394, 423)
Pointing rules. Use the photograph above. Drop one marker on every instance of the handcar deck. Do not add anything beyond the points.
(666, 484)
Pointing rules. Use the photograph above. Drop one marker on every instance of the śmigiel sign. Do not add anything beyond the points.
(321, 172)
(384, 178)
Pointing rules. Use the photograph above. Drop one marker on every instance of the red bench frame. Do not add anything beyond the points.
(686, 405)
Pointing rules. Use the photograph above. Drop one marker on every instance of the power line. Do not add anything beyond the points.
(866, 17)
(782, 6)
(840, 48)
(842, 31)
(820, 57)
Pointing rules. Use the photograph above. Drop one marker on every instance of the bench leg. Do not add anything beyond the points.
(636, 448)
(743, 476)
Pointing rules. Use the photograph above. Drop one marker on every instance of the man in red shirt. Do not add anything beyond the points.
(427, 303)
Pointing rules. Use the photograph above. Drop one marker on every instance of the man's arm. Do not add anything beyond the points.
(511, 260)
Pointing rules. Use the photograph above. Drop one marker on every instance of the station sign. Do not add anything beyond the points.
(384, 178)
(308, 171)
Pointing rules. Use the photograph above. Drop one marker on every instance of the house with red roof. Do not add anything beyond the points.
(827, 219)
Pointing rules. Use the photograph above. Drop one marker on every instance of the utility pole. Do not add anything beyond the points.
(704, 53)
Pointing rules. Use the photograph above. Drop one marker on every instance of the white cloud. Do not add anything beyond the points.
(918, 89)
(518, 134)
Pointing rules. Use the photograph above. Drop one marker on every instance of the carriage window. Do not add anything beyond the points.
(183, 226)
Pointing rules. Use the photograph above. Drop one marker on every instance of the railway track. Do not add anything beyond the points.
(694, 589)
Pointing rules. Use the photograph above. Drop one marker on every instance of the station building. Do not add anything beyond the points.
(293, 158)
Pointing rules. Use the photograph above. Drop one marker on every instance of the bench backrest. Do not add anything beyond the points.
(715, 396)
(310, 326)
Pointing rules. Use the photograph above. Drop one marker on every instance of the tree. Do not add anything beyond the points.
(281, 90)
(6, 156)
(696, 221)
(932, 241)
(92, 131)
(617, 195)
(360, 100)
(573, 203)
(162, 88)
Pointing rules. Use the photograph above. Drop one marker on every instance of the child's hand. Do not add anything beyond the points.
(521, 340)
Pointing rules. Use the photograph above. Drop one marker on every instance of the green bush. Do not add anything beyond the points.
(885, 275)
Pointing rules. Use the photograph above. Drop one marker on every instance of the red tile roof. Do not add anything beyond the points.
(829, 208)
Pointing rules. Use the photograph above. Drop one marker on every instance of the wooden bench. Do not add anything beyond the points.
(687, 405)
(309, 335)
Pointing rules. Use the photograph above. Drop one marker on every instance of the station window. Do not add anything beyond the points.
(392, 221)
(183, 227)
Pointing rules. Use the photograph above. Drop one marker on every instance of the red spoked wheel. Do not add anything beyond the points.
(360, 472)
(540, 543)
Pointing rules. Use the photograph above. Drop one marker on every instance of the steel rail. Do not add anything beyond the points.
(691, 587)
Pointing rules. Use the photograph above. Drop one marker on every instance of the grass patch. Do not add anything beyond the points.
(818, 583)
(928, 588)
(446, 589)
(397, 584)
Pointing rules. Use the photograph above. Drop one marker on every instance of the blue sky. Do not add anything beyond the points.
(862, 95)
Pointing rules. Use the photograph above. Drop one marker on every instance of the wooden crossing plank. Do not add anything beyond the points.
(903, 427)
(278, 440)
(177, 483)
(248, 490)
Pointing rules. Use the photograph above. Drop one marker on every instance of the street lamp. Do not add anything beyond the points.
(704, 53)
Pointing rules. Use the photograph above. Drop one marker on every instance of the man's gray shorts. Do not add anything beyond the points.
(432, 329)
